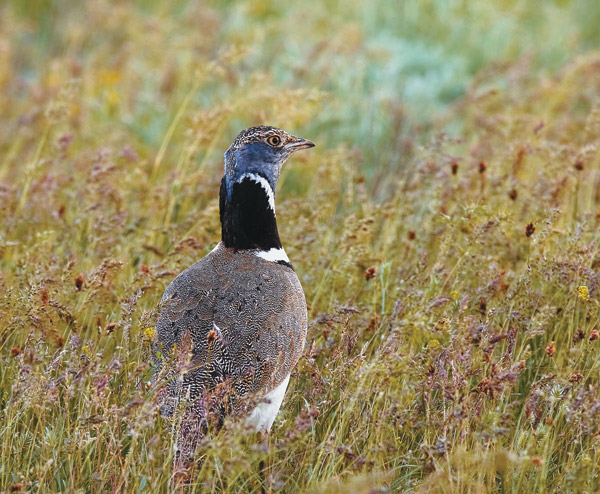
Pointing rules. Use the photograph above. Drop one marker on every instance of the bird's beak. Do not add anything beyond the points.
(299, 143)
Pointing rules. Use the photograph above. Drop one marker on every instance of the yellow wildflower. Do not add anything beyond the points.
(454, 295)
(433, 344)
(149, 334)
(86, 350)
(583, 293)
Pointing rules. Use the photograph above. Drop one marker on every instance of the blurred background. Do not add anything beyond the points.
(376, 75)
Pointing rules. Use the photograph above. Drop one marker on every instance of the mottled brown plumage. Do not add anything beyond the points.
(255, 313)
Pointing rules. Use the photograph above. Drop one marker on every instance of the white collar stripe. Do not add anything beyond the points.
(273, 255)
(265, 185)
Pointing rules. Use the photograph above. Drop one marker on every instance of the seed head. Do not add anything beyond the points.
(537, 461)
(44, 296)
(370, 273)
(577, 377)
(211, 336)
(374, 322)
(579, 335)
(529, 229)
(79, 282)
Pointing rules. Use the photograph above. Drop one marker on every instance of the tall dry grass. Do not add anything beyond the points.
(452, 277)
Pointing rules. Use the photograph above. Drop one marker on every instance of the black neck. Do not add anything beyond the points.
(247, 221)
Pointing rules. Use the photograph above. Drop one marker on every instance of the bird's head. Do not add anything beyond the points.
(261, 151)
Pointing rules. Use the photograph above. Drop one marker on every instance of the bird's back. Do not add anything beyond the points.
(232, 321)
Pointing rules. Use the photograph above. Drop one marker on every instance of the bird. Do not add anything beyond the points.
(232, 326)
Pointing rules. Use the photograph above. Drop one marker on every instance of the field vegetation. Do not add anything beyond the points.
(445, 230)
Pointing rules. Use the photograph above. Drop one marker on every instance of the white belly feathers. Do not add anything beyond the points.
(263, 416)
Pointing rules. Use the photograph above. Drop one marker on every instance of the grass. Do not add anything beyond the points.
(445, 231)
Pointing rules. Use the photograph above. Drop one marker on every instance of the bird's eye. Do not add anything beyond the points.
(274, 141)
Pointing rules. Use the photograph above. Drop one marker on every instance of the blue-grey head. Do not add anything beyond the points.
(260, 151)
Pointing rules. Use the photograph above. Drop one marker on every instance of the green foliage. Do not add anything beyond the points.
(452, 277)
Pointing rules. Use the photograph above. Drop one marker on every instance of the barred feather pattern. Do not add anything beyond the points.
(231, 327)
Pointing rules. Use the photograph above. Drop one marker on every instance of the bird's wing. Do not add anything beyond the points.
(231, 322)
(263, 320)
